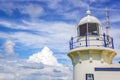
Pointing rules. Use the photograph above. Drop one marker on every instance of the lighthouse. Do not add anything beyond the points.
(92, 52)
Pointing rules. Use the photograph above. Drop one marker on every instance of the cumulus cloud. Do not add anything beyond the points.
(9, 48)
(45, 56)
(26, 70)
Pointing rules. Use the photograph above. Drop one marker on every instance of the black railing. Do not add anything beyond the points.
(106, 41)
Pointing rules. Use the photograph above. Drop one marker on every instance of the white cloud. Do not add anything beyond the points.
(114, 17)
(99, 1)
(28, 39)
(55, 35)
(45, 56)
(79, 3)
(8, 9)
(12, 25)
(32, 10)
(5, 23)
(53, 4)
(102, 1)
(65, 9)
(93, 0)
(24, 70)
(9, 48)
(72, 15)
(75, 3)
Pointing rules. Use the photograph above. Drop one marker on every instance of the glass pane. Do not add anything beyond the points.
(89, 77)
(93, 29)
(83, 29)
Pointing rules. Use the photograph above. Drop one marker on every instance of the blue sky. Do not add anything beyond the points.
(26, 26)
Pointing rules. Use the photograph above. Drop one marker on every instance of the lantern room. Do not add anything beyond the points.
(89, 25)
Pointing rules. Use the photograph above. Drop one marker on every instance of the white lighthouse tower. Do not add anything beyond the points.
(92, 52)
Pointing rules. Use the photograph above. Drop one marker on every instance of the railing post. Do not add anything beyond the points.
(104, 40)
(71, 42)
(86, 40)
(112, 43)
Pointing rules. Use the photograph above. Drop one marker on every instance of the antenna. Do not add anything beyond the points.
(107, 21)
(107, 24)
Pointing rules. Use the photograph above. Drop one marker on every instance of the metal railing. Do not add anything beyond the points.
(106, 40)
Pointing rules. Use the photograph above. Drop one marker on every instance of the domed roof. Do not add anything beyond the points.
(89, 19)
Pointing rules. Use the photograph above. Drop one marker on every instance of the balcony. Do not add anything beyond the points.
(91, 41)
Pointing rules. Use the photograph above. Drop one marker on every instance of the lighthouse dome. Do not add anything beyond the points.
(89, 19)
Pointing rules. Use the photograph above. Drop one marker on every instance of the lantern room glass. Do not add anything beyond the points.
(88, 28)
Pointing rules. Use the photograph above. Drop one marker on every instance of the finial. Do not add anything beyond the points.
(88, 12)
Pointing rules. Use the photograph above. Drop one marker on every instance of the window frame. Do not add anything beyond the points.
(91, 28)
(88, 75)
(86, 26)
